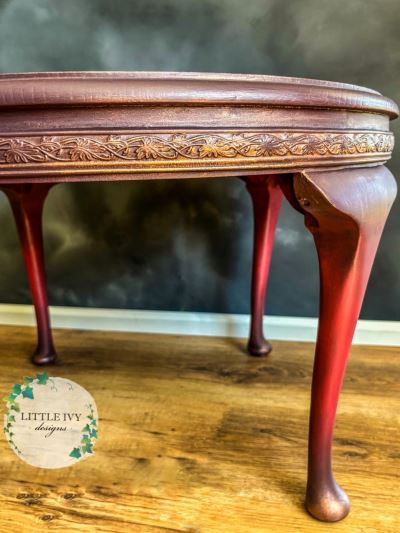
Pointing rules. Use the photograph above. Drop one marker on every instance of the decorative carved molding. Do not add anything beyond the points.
(190, 146)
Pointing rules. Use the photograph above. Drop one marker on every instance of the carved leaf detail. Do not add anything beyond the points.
(190, 146)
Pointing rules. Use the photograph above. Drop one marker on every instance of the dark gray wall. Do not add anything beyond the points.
(187, 245)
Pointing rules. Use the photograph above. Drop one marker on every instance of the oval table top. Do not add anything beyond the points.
(190, 88)
(129, 125)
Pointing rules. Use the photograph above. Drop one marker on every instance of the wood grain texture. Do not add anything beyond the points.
(197, 437)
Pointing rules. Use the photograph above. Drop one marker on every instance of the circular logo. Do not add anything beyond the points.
(50, 422)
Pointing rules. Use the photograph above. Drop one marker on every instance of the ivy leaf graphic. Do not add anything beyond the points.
(27, 392)
(15, 407)
(10, 398)
(42, 378)
(89, 432)
(11, 418)
(75, 453)
(27, 380)
(87, 447)
(16, 389)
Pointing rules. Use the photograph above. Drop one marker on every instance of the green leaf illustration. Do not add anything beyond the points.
(10, 398)
(16, 389)
(27, 392)
(42, 378)
(87, 447)
(76, 453)
(89, 433)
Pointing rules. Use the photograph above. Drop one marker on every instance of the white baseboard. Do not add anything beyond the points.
(187, 323)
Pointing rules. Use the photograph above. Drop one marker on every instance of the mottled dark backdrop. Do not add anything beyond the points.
(187, 245)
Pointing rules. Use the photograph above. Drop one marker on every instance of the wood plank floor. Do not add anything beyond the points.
(197, 437)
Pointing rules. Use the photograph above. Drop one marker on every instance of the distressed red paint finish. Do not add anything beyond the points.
(266, 196)
(346, 233)
(27, 205)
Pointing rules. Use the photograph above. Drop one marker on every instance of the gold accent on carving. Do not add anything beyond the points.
(190, 146)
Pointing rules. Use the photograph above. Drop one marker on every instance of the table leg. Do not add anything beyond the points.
(266, 198)
(27, 201)
(345, 210)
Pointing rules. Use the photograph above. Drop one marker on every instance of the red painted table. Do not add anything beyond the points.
(322, 145)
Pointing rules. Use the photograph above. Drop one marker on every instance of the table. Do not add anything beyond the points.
(322, 145)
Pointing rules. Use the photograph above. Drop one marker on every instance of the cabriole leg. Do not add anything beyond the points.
(266, 198)
(27, 202)
(345, 210)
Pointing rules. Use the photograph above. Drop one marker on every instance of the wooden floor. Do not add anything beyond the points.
(197, 437)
